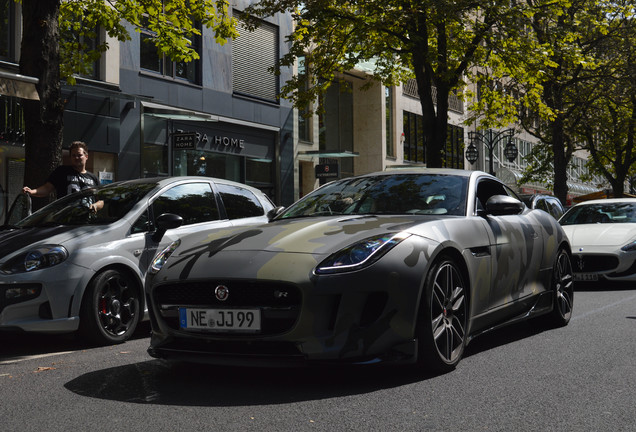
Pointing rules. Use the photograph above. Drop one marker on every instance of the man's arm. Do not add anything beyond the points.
(41, 191)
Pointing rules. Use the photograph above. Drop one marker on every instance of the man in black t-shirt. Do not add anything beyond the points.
(67, 179)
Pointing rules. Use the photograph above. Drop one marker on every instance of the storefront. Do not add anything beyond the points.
(14, 88)
(182, 142)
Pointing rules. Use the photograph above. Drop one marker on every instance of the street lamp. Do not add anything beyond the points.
(472, 154)
(490, 140)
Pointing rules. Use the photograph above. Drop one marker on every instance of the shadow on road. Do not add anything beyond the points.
(182, 384)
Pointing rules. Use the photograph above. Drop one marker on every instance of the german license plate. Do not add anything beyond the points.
(220, 320)
(585, 277)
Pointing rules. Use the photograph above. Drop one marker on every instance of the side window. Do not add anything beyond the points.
(487, 188)
(556, 209)
(141, 224)
(542, 204)
(239, 203)
(194, 202)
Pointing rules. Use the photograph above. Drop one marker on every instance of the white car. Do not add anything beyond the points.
(64, 269)
(603, 238)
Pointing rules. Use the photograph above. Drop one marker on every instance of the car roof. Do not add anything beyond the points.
(164, 181)
(608, 201)
(424, 170)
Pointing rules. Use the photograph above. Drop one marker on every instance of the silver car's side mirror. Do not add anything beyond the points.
(165, 222)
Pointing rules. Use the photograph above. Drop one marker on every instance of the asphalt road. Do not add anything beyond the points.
(524, 378)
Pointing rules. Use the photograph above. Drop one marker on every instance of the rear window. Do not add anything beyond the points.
(239, 202)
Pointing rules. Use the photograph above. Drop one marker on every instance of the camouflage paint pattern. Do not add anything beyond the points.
(505, 259)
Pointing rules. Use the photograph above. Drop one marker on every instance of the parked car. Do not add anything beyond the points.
(603, 237)
(402, 266)
(547, 203)
(64, 269)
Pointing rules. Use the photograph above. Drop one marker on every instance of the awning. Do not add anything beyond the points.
(17, 85)
(174, 113)
(328, 154)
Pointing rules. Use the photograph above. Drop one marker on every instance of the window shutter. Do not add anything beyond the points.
(253, 52)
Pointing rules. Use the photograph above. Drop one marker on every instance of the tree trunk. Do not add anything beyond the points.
(560, 161)
(40, 58)
(434, 126)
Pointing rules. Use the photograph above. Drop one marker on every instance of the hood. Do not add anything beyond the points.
(287, 249)
(600, 234)
(15, 239)
(316, 235)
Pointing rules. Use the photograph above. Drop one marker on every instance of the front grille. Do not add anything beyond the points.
(279, 302)
(593, 263)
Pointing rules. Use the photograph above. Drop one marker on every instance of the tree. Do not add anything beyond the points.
(609, 129)
(53, 34)
(436, 42)
(549, 58)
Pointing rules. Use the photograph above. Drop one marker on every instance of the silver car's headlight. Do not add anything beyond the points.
(360, 254)
(161, 258)
(36, 259)
(629, 247)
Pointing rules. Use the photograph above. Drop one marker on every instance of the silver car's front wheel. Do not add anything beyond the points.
(110, 308)
(443, 317)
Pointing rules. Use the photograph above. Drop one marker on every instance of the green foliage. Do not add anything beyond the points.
(433, 41)
(173, 24)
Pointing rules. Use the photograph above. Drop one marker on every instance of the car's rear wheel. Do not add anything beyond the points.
(443, 317)
(110, 308)
(563, 289)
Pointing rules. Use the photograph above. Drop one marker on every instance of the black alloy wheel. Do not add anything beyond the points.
(563, 288)
(443, 317)
(110, 308)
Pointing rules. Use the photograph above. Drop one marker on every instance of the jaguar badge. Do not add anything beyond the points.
(221, 292)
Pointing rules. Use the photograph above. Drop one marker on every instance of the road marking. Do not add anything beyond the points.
(32, 357)
(601, 309)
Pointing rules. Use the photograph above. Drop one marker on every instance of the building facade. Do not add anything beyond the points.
(143, 115)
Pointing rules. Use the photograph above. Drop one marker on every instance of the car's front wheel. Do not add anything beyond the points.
(563, 289)
(443, 317)
(110, 308)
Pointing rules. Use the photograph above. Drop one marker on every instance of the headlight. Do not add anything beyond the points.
(36, 259)
(629, 247)
(162, 257)
(361, 254)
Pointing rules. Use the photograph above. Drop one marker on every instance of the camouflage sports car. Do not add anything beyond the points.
(402, 266)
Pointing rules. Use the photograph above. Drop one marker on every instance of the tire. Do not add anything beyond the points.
(443, 317)
(563, 289)
(110, 308)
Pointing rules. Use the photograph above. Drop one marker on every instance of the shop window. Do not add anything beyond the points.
(239, 202)
(253, 54)
(413, 126)
(152, 59)
(389, 136)
(194, 202)
(6, 29)
(454, 152)
(305, 112)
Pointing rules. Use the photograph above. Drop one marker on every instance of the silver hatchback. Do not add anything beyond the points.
(64, 269)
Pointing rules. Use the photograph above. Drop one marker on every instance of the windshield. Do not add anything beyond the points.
(73, 209)
(618, 212)
(386, 194)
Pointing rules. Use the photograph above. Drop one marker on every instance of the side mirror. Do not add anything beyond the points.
(501, 205)
(165, 222)
(274, 212)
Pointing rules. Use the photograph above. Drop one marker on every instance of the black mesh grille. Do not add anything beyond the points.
(279, 302)
(594, 263)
